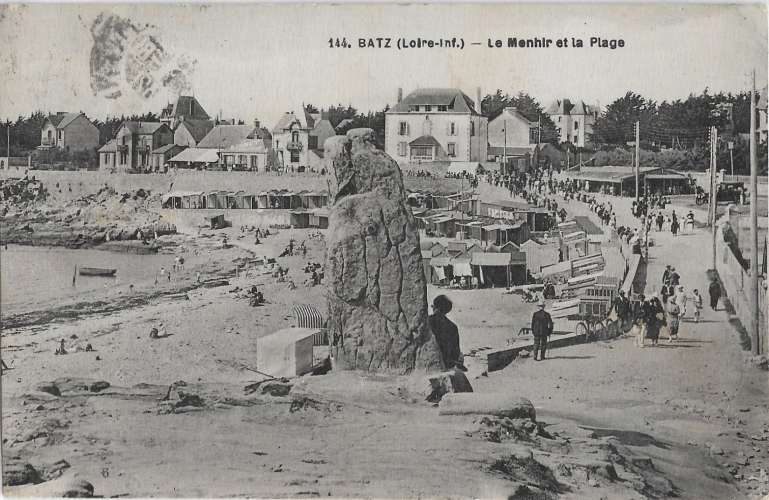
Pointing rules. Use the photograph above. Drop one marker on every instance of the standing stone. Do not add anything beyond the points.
(377, 294)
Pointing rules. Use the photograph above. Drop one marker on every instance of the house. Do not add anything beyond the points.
(185, 108)
(436, 124)
(132, 148)
(574, 120)
(240, 147)
(513, 139)
(540, 253)
(190, 132)
(162, 155)
(69, 132)
(298, 138)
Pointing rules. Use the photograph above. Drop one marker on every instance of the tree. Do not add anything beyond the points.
(615, 125)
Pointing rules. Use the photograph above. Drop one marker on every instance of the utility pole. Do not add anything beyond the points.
(753, 294)
(504, 152)
(637, 156)
(713, 188)
(731, 156)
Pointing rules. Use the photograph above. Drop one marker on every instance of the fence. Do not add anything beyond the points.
(736, 282)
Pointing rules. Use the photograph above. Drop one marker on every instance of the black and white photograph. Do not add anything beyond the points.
(384, 250)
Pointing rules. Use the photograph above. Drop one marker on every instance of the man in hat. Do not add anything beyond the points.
(541, 328)
(446, 333)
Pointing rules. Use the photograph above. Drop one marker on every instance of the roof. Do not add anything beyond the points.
(143, 128)
(224, 136)
(302, 118)
(247, 146)
(165, 149)
(67, 119)
(186, 106)
(57, 118)
(491, 259)
(197, 128)
(180, 194)
(513, 112)
(196, 155)
(609, 173)
(425, 140)
(567, 107)
(456, 100)
(110, 147)
(307, 316)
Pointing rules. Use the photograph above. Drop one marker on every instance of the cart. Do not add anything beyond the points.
(595, 317)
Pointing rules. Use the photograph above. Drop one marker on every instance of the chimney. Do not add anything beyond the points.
(478, 102)
(400, 94)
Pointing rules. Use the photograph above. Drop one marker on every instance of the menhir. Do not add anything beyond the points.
(377, 296)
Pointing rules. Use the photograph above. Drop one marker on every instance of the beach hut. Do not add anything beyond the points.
(499, 269)
(299, 219)
(216, 221)
(319, 218)
(287, 352)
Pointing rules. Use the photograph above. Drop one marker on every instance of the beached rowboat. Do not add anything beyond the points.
(96, 271)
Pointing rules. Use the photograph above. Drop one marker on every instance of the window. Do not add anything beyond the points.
(403, 128)
(59, 134)
(294, 156)
(472, 128)
(533, 139)
(576, 125)
(452, 148)
(421, 152)
(576, 138)
(242, 159)
(401, 149)
(254, 162)
(441, 108)
(559, 119)
(428, 108)
(413, 108)
(294, 136)
(452, 128)
(277, 144)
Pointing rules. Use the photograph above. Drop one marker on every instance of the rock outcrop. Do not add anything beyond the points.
(377, 295)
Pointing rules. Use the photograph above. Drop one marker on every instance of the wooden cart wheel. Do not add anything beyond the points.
(581, 328)
(599, 330)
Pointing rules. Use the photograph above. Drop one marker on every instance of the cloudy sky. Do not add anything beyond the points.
(261, 60)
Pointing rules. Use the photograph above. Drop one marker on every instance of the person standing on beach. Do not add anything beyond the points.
(446, 333)
(541, 329)
(674, 320)
(714, 290)
(697, 302)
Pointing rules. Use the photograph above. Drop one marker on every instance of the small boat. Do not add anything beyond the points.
(96, 271)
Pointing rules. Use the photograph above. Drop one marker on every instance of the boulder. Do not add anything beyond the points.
(17, 472)
(433, 387)
(78, 488)
(377, 300)
(497, 404)
(49, 387)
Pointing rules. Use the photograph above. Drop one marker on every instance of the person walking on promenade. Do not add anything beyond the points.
(714, 290)
(697, 302)
(681, 300)
(639, 321)
(674, 321)
(622, 308)
(541, 329)
(665, 293)
(666, 275)
(674, 226)
(660, 221)
(675, 278)
(655, 319)
(690, 220)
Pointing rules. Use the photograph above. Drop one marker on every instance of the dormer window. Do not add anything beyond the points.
(428, 108)
(441, 108)
(413, 108)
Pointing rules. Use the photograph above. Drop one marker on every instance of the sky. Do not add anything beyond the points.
(258, 61)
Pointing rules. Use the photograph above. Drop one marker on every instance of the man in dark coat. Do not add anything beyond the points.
(714, 290)
(622, 307)
(541, 328)
(446, 333)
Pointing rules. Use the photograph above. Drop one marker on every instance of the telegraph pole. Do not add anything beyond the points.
(731, 156)
(504, 152)
(753, 294)
(637, 156)
(713, 188)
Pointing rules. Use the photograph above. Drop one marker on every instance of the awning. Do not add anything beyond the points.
(440, 261)
(491, 259)
(307, 316)
(462, 267)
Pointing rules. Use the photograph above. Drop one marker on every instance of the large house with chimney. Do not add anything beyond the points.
(69, 132)
(298, 138)
(574, 120)
(133, 146)
(436, 124)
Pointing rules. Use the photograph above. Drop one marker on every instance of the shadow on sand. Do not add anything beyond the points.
(630, 438)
